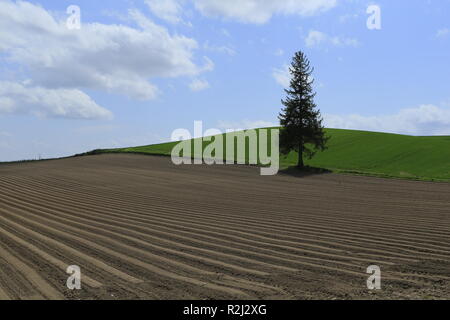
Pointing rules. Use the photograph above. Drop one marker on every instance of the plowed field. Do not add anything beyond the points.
(142, 228)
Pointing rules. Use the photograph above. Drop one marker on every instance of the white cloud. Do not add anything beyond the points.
(225, 32)
(279, 52)
(423, 120)
(5, 134)
(168, 10)
(346, 17)
(443, 33)
(247, 11)
(317, 38)
(344, 42)
(282, 76)
(220, 49)
(199, 85)
(113, 58)
(261, 11)
(16, 98)
(245, 124)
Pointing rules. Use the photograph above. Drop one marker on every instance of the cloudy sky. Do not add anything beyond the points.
(136, 70)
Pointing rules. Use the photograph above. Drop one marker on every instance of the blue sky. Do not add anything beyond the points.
(138, 70)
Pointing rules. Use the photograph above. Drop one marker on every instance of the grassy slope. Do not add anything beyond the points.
(381, 154)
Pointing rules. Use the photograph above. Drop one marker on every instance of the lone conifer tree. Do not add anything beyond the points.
(301, 122)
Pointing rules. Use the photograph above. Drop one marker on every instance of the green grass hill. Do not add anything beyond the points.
(361, 152)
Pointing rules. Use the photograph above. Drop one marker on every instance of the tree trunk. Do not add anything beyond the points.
(301, 164)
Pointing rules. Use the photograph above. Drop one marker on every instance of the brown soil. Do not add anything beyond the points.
(142, 228)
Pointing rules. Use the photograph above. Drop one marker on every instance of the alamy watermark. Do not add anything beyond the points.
(374, 20)
(374, 281)
(74, 20)
(251, 147)
(74, 281)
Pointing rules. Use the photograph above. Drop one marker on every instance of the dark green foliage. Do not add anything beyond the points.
(301, 122)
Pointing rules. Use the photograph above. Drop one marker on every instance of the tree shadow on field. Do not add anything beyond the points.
(307, 171)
